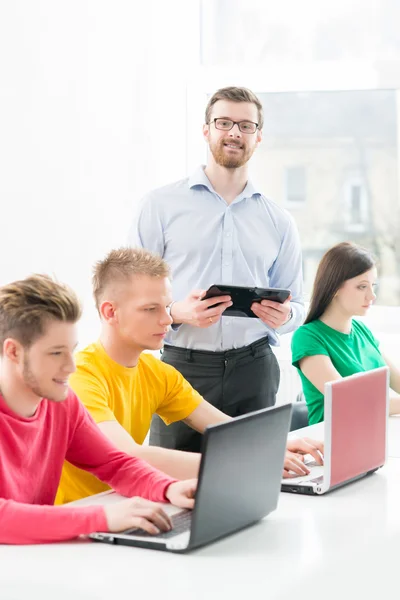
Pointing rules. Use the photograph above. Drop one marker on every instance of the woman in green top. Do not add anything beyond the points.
(332, 344)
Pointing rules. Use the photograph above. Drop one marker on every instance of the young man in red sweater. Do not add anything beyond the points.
(42, 423)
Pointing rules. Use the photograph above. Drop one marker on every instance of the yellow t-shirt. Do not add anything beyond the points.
(130, 396)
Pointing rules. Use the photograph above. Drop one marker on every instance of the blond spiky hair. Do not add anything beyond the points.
(121, 264)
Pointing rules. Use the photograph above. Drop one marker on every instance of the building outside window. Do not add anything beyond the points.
(295, 186)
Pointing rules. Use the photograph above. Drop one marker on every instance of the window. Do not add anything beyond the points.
(331, 159)
(355, 213)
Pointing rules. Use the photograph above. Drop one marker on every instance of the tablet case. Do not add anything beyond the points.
(243, 297)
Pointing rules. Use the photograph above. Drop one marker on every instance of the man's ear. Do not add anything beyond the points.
(107, 311)
(206, 131)
(259, 137)
(13, 350)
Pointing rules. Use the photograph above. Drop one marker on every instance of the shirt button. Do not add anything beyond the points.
(228, 234)
(226, 264)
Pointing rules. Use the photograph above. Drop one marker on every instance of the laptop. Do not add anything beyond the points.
(239, 483)
(355, 433)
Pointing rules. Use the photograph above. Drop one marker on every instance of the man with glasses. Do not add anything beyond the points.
(216, 227)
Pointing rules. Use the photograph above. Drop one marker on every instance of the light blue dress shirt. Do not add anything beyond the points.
(251, 242)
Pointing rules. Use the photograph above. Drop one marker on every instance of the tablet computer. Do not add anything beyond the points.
(243, 297)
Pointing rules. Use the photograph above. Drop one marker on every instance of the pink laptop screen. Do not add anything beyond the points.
(358, 427)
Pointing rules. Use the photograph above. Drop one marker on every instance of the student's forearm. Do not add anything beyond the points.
(35, 524)
(128, 475)
(204, 415)
(394, 405)
(178, 464)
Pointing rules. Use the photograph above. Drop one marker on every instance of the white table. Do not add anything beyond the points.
(342, 545)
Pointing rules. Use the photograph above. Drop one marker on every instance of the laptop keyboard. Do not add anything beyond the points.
(311, 463)
(317, 479)
(181, 522)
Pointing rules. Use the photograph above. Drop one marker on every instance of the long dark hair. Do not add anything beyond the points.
(342, 262)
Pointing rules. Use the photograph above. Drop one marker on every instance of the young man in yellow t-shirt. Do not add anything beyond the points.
(123, 387)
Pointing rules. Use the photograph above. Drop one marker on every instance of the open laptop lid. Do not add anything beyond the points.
(356, 420)
(240, 473)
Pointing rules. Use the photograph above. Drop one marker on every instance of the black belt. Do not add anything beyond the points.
(207, 355)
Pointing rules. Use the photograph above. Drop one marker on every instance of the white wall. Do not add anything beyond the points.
(92, 115)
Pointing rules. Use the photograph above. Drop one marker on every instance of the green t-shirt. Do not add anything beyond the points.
(349, 352)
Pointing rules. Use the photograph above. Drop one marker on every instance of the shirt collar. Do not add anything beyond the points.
(199, 178)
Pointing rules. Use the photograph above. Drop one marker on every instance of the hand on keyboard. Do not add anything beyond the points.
(294, 460)
(137, 512)
(181, 522)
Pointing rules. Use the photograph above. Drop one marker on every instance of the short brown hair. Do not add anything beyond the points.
(235, 94)
(26, 306)
(120, 264)
(342, 262)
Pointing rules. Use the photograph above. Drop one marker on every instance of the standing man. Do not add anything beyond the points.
(217, 227)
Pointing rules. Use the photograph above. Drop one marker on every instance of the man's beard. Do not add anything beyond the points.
(230, 162)
(31, 382)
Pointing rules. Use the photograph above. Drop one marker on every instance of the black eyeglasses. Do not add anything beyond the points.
(227, 124)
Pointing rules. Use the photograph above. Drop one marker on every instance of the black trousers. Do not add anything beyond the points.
(236, 381)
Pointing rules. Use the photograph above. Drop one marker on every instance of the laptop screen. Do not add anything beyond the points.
(359, 410)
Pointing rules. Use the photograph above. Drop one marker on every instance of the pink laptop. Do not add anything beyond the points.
(355, 433)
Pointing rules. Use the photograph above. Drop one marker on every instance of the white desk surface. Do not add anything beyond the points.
(342, 545)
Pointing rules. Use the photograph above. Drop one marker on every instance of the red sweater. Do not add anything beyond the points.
(32, 452)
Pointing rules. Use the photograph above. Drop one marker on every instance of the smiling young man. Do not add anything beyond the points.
(42, 423)
(123, 387)
(216, 227)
